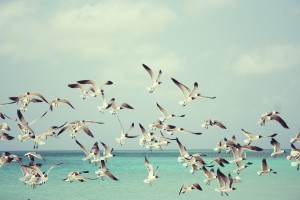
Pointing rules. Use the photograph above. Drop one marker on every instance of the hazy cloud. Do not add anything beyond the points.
(107, 28)
(199, 7)
(268, 59)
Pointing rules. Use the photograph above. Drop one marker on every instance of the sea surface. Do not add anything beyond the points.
(128, 166)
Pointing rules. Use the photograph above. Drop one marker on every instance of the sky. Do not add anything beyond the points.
(246, 53)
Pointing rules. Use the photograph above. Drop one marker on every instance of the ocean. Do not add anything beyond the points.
(128, 166)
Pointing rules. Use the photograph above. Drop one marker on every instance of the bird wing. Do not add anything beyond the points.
(21, 117)
(185, 90)
(130, 129)
(196, 186)
(229, 181)
(67, 102)
(207, 173)
(107, 150)
(275, 144)
(181, 189)
(182, 149)
(219, 124)
(221, 178)
(53, 167)
(126, 105)
(88, 131)
(150, 72)
(143, 129)
(163, 111)
(159, 75)
(195, 89)
(149, 167)
(264, 165)
(95, 149)
(88, 82)
(87, 152)
(249, 135)
(109, 174)
(39, 95)
(280, 120)
(35, 120)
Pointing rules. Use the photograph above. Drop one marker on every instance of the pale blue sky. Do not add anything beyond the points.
(246, 53)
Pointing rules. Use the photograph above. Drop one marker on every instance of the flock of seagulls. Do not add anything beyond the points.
(34, 175)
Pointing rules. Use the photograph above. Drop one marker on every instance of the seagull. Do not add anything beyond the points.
(93, 153)
(94, 88)
(165, 114)
(195, 160)
(183, 152)
(104, 105)
(274, 115)
(5, 136)
(7, 157)
(50, 132)
(264, 168)
(27, 172)
(75, 126)
(251, 147)
(84, 93)
(31, 155)
(160, 141)
(187, 188)
(221, 145)
(24, 107)
(296, 138)
(220, 161)
(26, 97)
(251, 137)
(210, 175)
(43, 175)
(225, 183)
(237, 153)
(210, 122)
(107, 153)
(145, 137)
(76, 175)
(24, 126)
(115, 108)
(295, 153)
(241, 167)
(173, 130)
(155, 82)
(152, 175)
(38, 140)
(4, 127)
(103, 171)
(58, 101)
(189, 94)
(124, 135)
(276, 147)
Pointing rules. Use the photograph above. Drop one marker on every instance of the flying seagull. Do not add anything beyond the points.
(189, 95)
(155, 80)
(152, 175)
(265, 168)
(273, 115)
(187, 188)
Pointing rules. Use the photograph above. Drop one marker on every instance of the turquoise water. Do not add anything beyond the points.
(129, 168)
